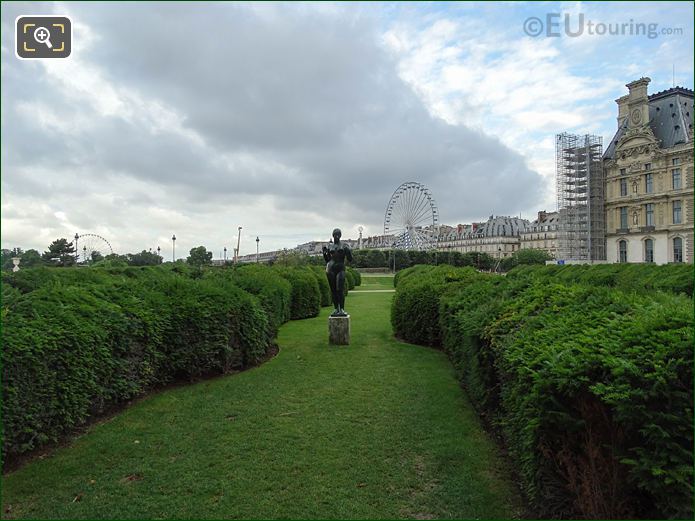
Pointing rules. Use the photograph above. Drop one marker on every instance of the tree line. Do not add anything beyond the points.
(61, 253)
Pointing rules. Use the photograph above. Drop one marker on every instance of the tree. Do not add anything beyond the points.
(144, 258)
(96, 256)
(294, 258)
(30, 259)
(199, 256)
(526, 256)
(532, 256)
(480, 260)
(60, 253)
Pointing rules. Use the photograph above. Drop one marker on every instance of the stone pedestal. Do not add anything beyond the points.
(339, 331)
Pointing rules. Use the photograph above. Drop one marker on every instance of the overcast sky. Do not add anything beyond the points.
(290, 120)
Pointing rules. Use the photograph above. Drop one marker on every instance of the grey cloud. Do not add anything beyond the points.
(311, 96)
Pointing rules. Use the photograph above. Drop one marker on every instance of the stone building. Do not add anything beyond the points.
(542, 233)
(649, 177)
(498, 236)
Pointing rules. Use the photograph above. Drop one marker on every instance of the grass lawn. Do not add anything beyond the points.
(375, 282)
(379, 429)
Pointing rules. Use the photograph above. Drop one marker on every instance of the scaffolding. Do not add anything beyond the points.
(580, 197)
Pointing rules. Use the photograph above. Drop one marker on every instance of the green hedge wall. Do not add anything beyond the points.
(306, 295)
(325, 288)
(273, 291)
(77, 341)
(415, 309)
(673, 278)
(590, 386)
(349, 280)
(356, 275)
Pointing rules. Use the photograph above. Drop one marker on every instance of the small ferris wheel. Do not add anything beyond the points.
(411, 217)
(90, 247)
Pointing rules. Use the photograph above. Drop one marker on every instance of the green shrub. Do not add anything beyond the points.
(349, 280)
(585, 370)
(306, 295)
(415, 308)
(592, 388)
(273, 291)
(325, 288)
(356, 275)
(78, 340)
(673, 278)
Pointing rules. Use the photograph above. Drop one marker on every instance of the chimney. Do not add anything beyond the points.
(637, 103)
(622, 109)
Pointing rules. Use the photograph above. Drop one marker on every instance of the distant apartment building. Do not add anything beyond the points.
(498, 236)
(649, 177)
(541, 234)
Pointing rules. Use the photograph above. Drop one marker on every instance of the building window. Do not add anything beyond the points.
(623, 217)
(647, 166)
(649, 214)
(649, 183)
(677, 249)
(622, 171)
(623, 187)
(648, 250)
(676, 176)
(676, 212)
(676, 161)
(622, 248)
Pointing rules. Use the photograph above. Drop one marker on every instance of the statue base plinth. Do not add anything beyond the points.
(339, 331)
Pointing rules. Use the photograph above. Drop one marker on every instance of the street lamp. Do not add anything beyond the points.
(257, 241)
(173, 248)
(84, 257)
(158, 250)
(225, 254)
(238, 240)
(77, 255)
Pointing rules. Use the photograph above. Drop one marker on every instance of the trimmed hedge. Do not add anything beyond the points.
(673, 278)
(415, 309)
(325, 288)
(306, 295)
(349, 280)
(356, 275)
(78, 341)
(273, 291)
(590, 386)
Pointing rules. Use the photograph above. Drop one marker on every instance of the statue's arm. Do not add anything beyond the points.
(326, 254)
(348, 253)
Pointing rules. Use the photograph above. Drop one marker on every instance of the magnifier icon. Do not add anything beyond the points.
(42, 35)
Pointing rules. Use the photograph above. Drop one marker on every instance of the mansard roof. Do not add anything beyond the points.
(670, 119)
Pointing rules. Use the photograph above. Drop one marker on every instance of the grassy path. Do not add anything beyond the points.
(379, 429)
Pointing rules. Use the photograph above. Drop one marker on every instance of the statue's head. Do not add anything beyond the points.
(337, 234)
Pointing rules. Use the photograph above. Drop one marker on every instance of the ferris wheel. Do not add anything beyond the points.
(412, 217)
(90, 247)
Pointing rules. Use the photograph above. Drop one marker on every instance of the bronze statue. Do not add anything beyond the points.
(335, 255)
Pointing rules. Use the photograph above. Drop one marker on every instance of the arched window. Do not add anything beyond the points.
(622, 248)
(677, 249)
(648, 250)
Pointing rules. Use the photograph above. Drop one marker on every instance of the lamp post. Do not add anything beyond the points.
(238, 240)
(173, 248)
(257, 241)
(77, 255)
(225, 254)
(158, 250)
(84, 256)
